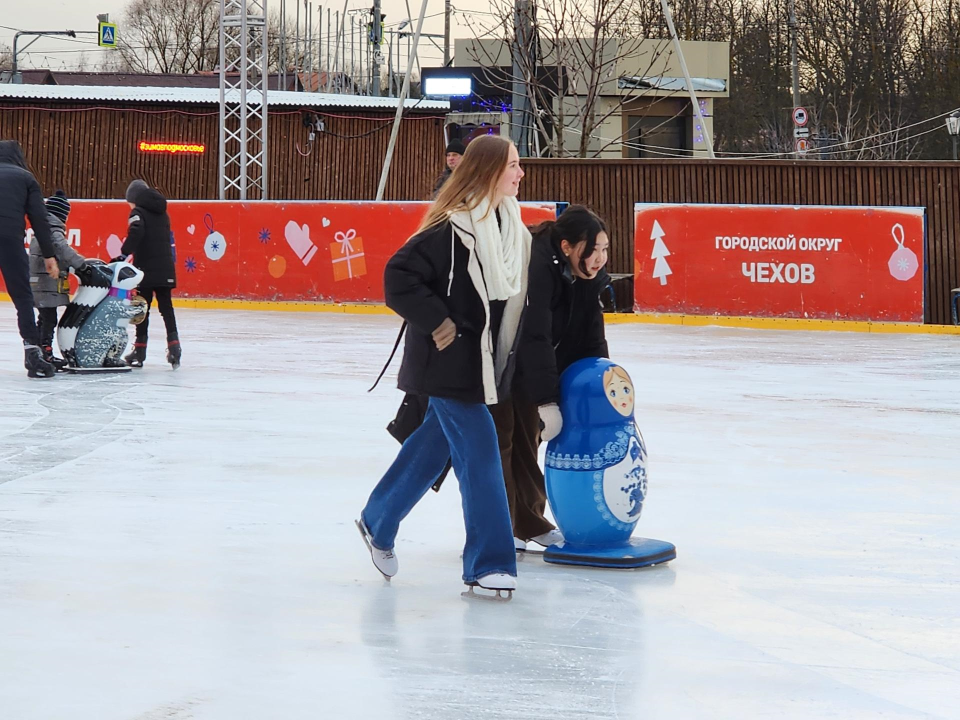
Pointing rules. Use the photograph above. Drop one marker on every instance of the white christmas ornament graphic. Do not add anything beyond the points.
(215, 245)
(660, 252)
(298, 238)
(903, 263)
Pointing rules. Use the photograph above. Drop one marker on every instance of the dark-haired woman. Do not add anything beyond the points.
(563, 323)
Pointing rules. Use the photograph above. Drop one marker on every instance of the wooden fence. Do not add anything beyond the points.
(91, 152)
(612, 187)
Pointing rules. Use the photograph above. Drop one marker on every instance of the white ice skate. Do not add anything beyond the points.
(536, 545)
(383, 560)
(551, 537)
(501, 584)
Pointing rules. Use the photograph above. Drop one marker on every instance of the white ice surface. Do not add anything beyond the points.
(181, 545)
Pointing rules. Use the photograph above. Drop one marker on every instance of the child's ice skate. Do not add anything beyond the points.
(137, 355)
(173, 353)
(501, 584)
(34, 363)
(383, 560)
(57, 362)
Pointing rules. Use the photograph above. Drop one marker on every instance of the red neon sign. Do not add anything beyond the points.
(172, 148)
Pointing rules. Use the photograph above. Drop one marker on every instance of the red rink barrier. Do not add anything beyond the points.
(310, 251)
(846, 263)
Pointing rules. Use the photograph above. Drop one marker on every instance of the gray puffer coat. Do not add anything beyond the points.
(47, 292)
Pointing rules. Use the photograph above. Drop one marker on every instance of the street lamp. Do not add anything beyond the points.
(953, 127)
(15, 75)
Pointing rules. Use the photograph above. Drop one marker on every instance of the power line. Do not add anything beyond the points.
(677, 153)
(845, 143)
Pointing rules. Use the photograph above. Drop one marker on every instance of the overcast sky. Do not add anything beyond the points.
(78, 15)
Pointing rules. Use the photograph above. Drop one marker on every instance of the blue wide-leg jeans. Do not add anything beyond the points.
(464, 433)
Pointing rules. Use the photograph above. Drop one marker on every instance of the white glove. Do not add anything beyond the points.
(552, 421)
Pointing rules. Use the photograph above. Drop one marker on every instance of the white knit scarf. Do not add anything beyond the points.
(500, 249)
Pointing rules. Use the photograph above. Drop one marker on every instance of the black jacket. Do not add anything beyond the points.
(441, 179)
(563, 323)
(20, 196)
(420, 287)
(150, 242)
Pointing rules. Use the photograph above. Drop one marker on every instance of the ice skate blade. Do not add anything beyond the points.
(366, 541)
(96, 370)
(499, 596)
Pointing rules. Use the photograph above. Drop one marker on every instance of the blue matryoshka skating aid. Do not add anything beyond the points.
(596, 472)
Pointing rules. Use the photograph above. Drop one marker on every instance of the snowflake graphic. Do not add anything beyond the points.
(264, 236)
(902, 264)
(190, 264)
(215, 245)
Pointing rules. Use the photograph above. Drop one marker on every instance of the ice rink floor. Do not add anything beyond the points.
(180, 546)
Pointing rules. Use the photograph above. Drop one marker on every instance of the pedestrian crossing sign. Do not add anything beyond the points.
(108, 35)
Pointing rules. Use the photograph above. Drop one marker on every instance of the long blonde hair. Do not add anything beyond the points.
(475, 178)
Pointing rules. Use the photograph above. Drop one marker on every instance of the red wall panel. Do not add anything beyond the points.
(315, 251)
(847, 263)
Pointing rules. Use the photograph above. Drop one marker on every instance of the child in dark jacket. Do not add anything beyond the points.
(149, 241)
(50, 293)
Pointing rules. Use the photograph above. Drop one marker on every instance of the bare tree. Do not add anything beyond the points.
(582, 64)
(855, 55)
(6, 57)
(83, 63)
(170, 36)
(756, 116)
(933, 77)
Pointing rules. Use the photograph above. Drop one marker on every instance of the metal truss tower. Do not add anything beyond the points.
(243, 99)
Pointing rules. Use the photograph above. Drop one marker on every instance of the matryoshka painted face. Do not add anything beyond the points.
(619, 390)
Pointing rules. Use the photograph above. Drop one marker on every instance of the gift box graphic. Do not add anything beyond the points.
(346, 251)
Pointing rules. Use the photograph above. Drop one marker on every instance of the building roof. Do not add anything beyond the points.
(206, 96)
(131, 79)
(675, 84)
(117, 79)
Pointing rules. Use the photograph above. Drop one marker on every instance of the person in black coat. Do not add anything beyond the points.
(460, 285)
(20, 196)
(563, 323)
(455, 151)
(150, 241)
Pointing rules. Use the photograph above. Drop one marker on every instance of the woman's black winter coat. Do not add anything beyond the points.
(419, 287)
(563, 323)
